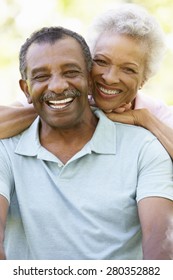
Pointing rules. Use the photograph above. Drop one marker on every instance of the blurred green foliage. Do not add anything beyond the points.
(18, 18)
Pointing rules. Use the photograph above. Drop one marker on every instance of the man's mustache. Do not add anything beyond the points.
(56, 96)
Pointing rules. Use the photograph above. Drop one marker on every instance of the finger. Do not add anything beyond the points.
(128, 106)
(119, 110)
(123, 108)
(108, 111)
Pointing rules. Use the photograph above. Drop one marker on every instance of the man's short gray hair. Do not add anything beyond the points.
(134, 21)
(51, 35)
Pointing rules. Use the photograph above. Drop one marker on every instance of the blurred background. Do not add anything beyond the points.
(19, 18)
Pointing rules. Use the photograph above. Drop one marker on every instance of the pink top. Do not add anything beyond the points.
(156, 107)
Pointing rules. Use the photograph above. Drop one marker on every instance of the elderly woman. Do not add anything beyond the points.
(127, 45)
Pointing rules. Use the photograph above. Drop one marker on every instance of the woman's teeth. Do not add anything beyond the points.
(109, 91)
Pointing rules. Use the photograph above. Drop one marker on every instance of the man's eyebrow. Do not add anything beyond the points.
(72, 65)
(37, 70)
(43, 69)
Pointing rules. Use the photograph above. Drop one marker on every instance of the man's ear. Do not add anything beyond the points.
(24, 88)
(90, 83)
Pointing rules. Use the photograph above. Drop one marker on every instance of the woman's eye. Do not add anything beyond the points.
(129, 70)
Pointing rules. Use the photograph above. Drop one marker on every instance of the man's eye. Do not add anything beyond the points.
(100, 62)
(72, 73)
(41, 78)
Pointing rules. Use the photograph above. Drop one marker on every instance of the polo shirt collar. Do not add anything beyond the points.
(103, 140)
(29, 143)
(104, 137)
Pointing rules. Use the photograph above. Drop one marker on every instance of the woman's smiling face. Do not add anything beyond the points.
(118, 70)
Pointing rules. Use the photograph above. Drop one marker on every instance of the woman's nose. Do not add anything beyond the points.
(111, 75)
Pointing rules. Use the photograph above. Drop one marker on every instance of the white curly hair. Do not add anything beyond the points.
(132, 20)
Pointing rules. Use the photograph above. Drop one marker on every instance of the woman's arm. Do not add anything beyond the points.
(15, 119)
(163, 132)
(155, 214)
(4, 205)
(144, 118)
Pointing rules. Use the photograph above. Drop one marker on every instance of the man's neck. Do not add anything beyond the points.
(65, 143)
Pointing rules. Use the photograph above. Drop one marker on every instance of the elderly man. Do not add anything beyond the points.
(75, 185)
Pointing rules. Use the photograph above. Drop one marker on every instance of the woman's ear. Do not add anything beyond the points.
(24, 88)
(143, 82)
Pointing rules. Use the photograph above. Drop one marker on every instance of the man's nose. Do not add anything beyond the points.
(58, 84)
(111, 75)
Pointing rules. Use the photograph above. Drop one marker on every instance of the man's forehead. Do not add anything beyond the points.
(62, 52)
(65, 43)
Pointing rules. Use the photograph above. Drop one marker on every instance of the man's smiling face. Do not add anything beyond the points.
(57, 82)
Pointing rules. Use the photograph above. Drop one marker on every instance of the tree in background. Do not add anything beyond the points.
(18, 18)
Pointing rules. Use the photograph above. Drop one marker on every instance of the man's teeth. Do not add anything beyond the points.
(109, 91)
(59, 104)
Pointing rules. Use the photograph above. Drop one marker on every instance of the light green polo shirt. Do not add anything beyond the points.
(87, 208)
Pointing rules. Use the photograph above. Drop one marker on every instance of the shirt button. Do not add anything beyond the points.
(60, 164)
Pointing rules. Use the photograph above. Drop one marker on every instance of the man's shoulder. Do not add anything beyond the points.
(10, 140)
(8, 145)
(133, 131)
(127, 130)
(28, 134)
